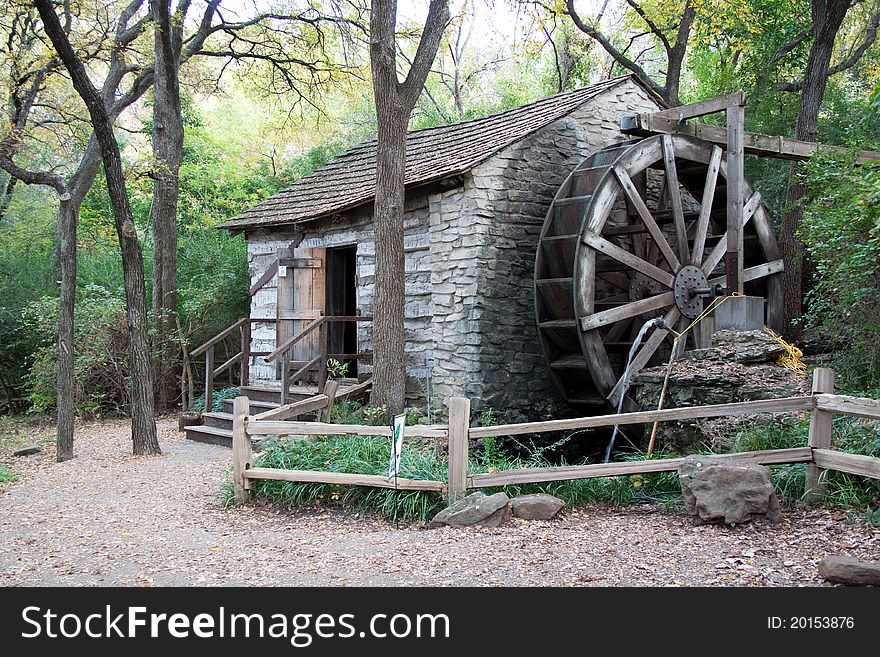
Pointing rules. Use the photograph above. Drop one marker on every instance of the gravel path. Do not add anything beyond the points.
(107, 518)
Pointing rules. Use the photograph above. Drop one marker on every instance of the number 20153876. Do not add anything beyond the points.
(810, 623)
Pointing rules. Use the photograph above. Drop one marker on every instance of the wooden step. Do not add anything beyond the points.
(212, 435)
(217, 420)
(256, 406)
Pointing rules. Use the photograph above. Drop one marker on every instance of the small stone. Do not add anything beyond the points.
(475, 509)
(849, 570)
(538, 506)
(28, 451)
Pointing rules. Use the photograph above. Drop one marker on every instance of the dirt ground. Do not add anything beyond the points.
(108, 518)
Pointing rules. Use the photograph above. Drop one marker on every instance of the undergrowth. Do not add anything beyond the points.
(198, 404)
(7, 476)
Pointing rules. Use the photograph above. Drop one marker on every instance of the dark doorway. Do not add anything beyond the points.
(342, 300)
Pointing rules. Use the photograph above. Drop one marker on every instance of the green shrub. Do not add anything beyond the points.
(198, 404)
(841, 232)
(101, 373)
(7, 476)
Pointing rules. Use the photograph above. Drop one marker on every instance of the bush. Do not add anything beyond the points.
(198, 404)
(101, 374)
(841, 232)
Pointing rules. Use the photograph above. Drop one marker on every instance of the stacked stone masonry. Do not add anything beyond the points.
(470, 255)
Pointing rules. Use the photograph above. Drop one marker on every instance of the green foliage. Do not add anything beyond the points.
(6, 476)
(841, 231)
(100, 343)
(376, 415)
(336, 370)
(198, 404)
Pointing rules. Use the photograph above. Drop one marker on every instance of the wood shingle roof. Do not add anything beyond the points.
(348, 180)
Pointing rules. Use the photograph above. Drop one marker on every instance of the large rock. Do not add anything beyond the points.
(538, 506)
(849, 570)
(475, 509)
(28, 451)
(727, 491)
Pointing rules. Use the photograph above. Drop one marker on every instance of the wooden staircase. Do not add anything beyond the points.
(216, 427)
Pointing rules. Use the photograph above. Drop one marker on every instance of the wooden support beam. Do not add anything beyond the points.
(459, 425)
(701, 108)
(295, 409)
(282, 428)
(735, 184)
(852, 406)
(627, 468)
(645, 125)
(344, 479)
(688, 413)
(820, 434)
(866, 466)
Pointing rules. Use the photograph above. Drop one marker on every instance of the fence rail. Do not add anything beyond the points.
(818, 454)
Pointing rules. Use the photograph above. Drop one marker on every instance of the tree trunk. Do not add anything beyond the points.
(167, 152)
(65, 385)
(390, 298)
(143, 421)
(828, 16)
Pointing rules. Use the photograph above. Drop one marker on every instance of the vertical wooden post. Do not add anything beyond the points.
(242, 449)
(820, 434)
(323, 339)
(209, 380)
(735, 176)
(285, 376)
(330, 390)
(459, 434)
(245, 352)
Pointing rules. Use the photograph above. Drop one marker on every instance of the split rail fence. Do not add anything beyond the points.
(817, 454)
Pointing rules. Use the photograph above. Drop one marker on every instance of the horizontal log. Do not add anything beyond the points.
(344, 479)
(217, 338)
(754, 143)
(534, 475)
(275, 427)
(294, 409)
(847, 405)
(716, 410)
(354, 391)
(866, 466)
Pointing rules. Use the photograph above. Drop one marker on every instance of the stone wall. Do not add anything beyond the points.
(470, 255)
(355, 231)
(483, 242)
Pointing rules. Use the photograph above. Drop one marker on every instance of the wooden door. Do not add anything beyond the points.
(301, 297)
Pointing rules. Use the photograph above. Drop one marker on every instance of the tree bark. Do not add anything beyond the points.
(828, 15)
(65, 385)
(167, 152)
(394, 102)
(144, 438)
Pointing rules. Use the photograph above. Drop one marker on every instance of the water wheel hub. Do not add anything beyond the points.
(689, 287)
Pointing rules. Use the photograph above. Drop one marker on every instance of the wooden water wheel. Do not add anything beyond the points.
(638, 231)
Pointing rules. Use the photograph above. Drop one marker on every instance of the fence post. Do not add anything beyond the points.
(330, 389)
(459, 430)
(242, 449)
(820, 434)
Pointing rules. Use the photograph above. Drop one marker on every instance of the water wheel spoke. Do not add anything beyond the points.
(616, 279)
(627, 311)
(629, 189)
(621, 255)
(617, 330)
(706, 206)
(645, 352)
(756, 272)
(675, 197)
(721, 248)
